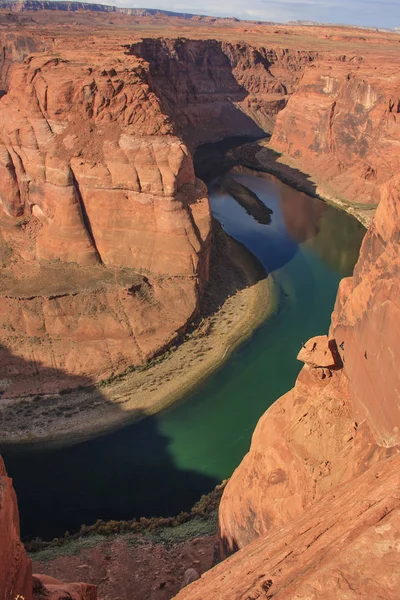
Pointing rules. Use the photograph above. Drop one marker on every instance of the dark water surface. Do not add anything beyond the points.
(162, 465)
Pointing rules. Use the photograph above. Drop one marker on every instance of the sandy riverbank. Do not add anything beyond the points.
(237, 300)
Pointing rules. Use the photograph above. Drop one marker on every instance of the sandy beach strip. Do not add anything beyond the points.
(238, 298)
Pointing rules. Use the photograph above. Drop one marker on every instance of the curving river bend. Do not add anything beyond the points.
(162, 465)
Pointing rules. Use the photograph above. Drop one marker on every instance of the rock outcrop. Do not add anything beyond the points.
(92, 174)
(104, 246)
(366, 320)
(212, 90)
(96, 168)
(49, 588)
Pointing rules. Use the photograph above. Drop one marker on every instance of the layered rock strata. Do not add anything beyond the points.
(105, 231)
(92, 174)
(213, 90)
(342, 127)
(96, 170)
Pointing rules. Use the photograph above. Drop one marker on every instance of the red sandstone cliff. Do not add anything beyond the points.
(338, 419)
(345, 546)
(104, 230)
(212, 89)
(342, 126)
(92, 174)
(96, 177)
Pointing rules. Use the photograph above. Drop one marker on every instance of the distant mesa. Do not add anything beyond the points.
(21, 5)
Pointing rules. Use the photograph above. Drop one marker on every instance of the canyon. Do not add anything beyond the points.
(105, 242)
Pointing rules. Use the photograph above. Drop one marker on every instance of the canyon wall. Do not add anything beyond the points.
(212, 90)
(104, 228)
(14, 47)
(104, 249)
(105, 231)
(342, 126)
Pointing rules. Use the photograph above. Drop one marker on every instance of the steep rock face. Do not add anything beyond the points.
(15, 566)
(342, 127)
(14, 47)
(87, 156)
(213, 89)
(345, 546)
(339, 419)
(365, 323)
(84, 334)
(93, 174)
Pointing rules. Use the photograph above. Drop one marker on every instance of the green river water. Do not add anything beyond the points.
(162, 465)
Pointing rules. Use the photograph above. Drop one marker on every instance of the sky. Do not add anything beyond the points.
(374, 13)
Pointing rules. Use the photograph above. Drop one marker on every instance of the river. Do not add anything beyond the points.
(161, 465)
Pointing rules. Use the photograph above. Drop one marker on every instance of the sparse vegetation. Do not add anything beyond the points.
(201, 520)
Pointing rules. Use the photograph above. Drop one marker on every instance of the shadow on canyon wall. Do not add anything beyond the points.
(196, 86)
(216, 159)
(261, 158)
(104, 478)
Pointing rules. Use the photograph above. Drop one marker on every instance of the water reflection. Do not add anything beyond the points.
(295, 218)
(247, 199)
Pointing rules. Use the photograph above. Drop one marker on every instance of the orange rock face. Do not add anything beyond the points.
(93, 175)
(342, 126)
(104, 246)
(344, 546)
(212, 89)
(314, 507)
(320, 352)
(366, 321)
(15, 566)
(96, 167)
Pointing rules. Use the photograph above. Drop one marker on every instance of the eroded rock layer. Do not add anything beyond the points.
(92, 174)
(342, 126)
(105, 237)
(96, 166)
(213, 90)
